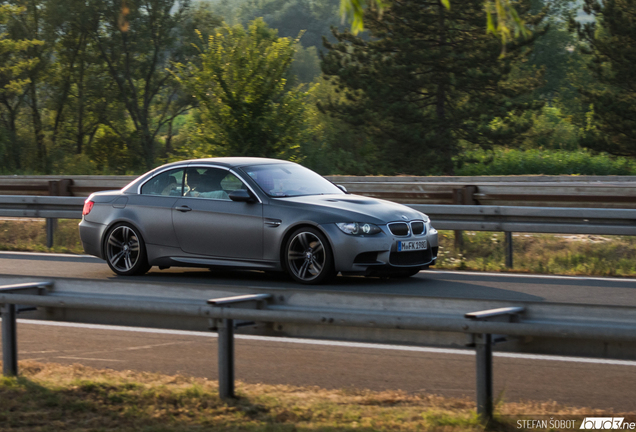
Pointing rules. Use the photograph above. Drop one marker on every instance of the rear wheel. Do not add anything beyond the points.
(126, 251)
(308, 257)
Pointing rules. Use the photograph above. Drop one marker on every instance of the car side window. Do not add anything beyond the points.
(168, 183)
(212, 183)
(230, 183)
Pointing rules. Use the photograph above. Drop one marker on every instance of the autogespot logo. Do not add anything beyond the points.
(607, 423)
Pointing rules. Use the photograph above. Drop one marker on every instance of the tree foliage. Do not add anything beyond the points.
(501, 17)
(239, 82)
(138, 45)
(93, 86)
(16, 66)
(610, 44)
(429, 78)
(101, 70)
(312, 18)
(13, 65)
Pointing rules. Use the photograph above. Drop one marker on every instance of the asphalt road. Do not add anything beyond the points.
(611, 387)
(433, 283)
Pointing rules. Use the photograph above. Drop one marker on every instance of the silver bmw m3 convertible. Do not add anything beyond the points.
(253, 213)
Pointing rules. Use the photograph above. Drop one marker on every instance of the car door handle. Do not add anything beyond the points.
(183, 209)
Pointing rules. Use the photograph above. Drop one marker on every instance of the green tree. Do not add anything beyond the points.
(501, 17)
(139, 41)
(313, 18)
(80, 89)
(15, 68)
(239, 82)
(610, 44)
(557, 124)
(28, 25)
(429, 79)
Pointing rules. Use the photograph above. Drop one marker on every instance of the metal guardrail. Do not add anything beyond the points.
(221, 313)
(484, 191)
(81, 186)
(563, 220)
(27, 206)
(534, 191)
(559, 220)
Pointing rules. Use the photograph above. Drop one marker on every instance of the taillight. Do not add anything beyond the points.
(88, 206)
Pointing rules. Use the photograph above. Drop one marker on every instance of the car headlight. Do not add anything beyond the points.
(357, 228)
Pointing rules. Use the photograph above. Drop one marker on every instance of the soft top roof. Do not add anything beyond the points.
(230, 162)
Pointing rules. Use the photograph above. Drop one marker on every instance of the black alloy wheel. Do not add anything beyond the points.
(308, 257)
(126, 251)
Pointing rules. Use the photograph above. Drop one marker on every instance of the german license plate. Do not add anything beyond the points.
(405, 246)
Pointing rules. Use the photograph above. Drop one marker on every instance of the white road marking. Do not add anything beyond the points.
(466, 352)
(43, 254)
(87, 358)
(134, 348)
(149, 346)
(540, 276)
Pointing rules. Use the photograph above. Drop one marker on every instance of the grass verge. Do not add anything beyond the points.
(30, 235)
(54, 398)
(589, 255)
(482, 251)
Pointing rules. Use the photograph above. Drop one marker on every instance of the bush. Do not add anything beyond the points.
(501, 161)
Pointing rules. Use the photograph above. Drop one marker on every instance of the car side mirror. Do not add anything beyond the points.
(241, 195)
(342, 188)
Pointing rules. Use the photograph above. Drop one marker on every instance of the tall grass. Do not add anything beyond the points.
(501, 161)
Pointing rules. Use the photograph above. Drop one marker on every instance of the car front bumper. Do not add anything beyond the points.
(378, 253)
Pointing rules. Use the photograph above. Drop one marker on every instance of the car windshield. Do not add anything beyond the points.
(290, 180)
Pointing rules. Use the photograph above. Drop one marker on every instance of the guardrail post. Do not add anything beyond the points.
(225, 329)
(56, 188)
(463, 196)
(8, 311)
(226, 359)
(51, 227)
(9, 341)
(508, 248)
(483, 348)
(51, 223)
(483, 342)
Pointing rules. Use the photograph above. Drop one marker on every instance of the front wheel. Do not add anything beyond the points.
(126, 251)
(308, 257)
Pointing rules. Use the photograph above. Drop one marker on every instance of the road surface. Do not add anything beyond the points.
(605, 384)
(433, 283)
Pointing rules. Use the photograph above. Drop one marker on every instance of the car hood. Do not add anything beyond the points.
(363, 209)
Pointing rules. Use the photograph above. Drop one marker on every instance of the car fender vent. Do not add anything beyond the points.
(274, 223)
(366, 258)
